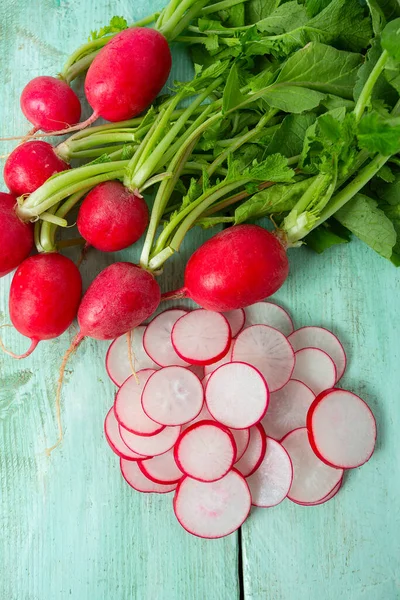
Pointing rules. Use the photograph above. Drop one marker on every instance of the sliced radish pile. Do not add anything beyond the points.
(270, 484)
(287, 409)
(208, 369)
(161, 469)
(206, 451)
(118, 365)
(266, 313)
(172, 396)
(157, 338)
(237, 395)
(236, 319)
(197, 370)
(201, 337)
(342, 429)
(135, 478)
(315, 368)
(212, 510)
(255, 451)
(313, 480)
(151, 445)
(114, 439)
(318, 337)
(242, 439)
(328, 497)
(268, 350)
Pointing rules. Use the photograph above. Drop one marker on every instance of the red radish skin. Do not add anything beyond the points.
(16, 237)
(255, 452)
(30, 165)
(162, 468)
(111, 217)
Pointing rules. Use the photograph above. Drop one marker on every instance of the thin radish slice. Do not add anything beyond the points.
(342, 429)
(128, 406)
(151, 445)
(236, 319)
(173, 396)
(315, 368)
(204, 415)
(114, 439)
(161, 469)
(266, 313)
(268, 350)
(118, 364)
(157, 338)
(201, 337)
(318, 337)
(329, 496)
(205, 451)
(287, 409)
(208, 369)
(205, 379)
(255, 451)
(242, 439)
(271, 482)
(313, 480)
(139, 482)
(237, 395)
(197, 370)
(212, 510)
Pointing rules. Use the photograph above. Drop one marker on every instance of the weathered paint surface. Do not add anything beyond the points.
(71, 528)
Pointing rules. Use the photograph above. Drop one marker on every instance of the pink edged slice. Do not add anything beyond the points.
(242, 439)
(318, 337)
(236, 319)
(331, 495)
(255, 451)
(208, 369)
(267, 313)
(270, 483)
(161, 469)
(118, 365)
(151, 445)
(139, 482)
(315, 368)
(157, 338)
(114, 439)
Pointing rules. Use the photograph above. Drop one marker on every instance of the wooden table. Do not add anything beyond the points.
(71, 528)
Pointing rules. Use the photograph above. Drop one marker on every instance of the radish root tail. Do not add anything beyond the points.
(174, 295)
(131, 355)
(67, 130)
(31, 348)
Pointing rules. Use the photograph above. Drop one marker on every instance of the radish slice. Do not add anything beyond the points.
(242, 439)
(151, 445)
(197, 370)
(268, 350)
(315, 369)
(139, 482)
(114, 439)
(208, 369)
(205, 380)
(173, 396)
(236, 319)
(271, 482)
(287, 409)
(331, 495)
(342, 429)
(204, 415)
(318, 337)
(237, 395)
(313, 480)
(255, 451)
(128, 406)
(117, 359)
(266, 313)
(201, 337)
(212, 510)
(161, 469)
(205, 451)
(157, 338)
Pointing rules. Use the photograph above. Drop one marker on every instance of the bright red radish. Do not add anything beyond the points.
(114, 439)
(151, 445)
(205, 451)
(255, 452)
(318, 337)
(16, 237)
(237, 395)
(341, 429)
(201, 337)
(266, 313)
(287, 409)
(138, 481)
(328, 497)
(161, 469)
(128, 406)
(313, 480)
(157, 339)
(315, 368)
(208, 369)
(268, 350)
(212, 510)
(112, 217)
(118, 364)
(30, 165)
(270, 483)
(236, 319)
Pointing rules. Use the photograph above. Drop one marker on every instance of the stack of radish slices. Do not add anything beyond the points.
(233, 410)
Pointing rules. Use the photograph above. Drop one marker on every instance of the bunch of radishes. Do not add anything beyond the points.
(231, 410)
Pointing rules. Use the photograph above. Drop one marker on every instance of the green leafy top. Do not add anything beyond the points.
(116, 25)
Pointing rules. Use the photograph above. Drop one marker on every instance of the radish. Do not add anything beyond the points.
(255, 451)
(318, 337)
(236, 319)
(128, 407)
(315, 368)
(114, 439)
(16, 237)
(237, 395)
(270, 483)
(118, 364)
(157, 339)
(242, 440)
(205, 451)
(287, 409)
(208, 369)
(172, 396)
(197, 370)
(204, 415)
(161, 469)
(112, 217)
(266, 313)
(328, 497)
(205, 380)
(30, 165)
(138, 481)
(212, 510)
(268, 350)
(313, 480)
(341, 429)
(151, 445)
(201, 337)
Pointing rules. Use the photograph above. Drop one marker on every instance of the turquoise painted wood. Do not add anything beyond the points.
(71, 528)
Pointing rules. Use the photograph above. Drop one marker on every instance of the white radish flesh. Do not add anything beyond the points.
(204, 415)
(139, 482)
(157, 338)
(287, 409)
(313, 480)
(315, 368)
(173, 396)
(237, 395)
(128, 406)
(266, 313)
(342, 429)
(151, 445)
(236, 319)
(201, 337)
(329, 496)
(255, 451)
(318, 337)
(208, 369)
(161, 469)
(268, 350)
(242, 439)
(118, 365)
(270, 483)
(212, 510)
(114, 439)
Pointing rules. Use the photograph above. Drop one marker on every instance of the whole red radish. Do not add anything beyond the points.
(50, 104)
(30, 165)
(112, 217)
(16, 237)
